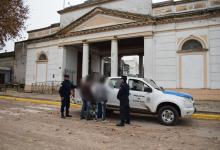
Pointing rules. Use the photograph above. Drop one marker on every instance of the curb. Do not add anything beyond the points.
(37, 101)
(205, 116)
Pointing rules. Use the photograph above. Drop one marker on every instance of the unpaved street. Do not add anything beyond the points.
(25, 126)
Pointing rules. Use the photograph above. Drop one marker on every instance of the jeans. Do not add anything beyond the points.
(103, 110)
(88, 107)
(83, 109)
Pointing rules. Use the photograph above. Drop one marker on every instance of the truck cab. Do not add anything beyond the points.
(145, 96)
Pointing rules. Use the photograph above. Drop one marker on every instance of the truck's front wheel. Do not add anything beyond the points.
(168, 115)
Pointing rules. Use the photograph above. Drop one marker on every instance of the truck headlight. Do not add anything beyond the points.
(188, 103)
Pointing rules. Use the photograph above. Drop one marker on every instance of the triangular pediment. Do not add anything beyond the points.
(101, 20)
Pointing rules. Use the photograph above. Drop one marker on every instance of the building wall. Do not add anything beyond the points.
(54, 64)
(214, 56)
(71, 63)
(141, 7)
(167, 41)
(165, 66)
(7, 62)
(20, 62)
(96, 64)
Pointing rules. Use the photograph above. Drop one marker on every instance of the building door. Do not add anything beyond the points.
(192, 71)
(41, 72)
(2, 78)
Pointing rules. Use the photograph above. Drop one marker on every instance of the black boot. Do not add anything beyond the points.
(128, 122)
(67, 115)
(62, 115)
(121, 124)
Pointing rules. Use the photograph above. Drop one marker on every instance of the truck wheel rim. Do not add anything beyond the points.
(167, 116)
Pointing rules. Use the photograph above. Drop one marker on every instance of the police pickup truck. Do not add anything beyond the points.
(147, 97)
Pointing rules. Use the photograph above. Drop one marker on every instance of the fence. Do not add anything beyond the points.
(49, 87)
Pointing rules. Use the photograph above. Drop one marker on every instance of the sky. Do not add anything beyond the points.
(42, 14)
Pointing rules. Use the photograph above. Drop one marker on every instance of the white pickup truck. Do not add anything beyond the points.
(147, 97)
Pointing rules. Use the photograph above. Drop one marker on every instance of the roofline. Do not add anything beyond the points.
(83, 5)
(156, 19)
(172, 2)
(7, 54)
(45, 28)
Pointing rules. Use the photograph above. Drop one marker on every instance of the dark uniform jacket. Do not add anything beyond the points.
(123, 92)
(65, 89)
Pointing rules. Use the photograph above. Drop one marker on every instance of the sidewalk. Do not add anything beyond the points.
(203, 106)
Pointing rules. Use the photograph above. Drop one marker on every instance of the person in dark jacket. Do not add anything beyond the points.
(123, 96)
(65, 91)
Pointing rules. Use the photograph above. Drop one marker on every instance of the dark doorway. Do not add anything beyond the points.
(79, 67)
(2, 78)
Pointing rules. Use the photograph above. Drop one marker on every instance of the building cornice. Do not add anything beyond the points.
(172, 2)
(83, 5)
(172, 18)
(138, 19)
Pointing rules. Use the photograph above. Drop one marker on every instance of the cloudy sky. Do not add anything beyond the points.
(42, 14)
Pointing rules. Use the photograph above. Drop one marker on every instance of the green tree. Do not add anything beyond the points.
(13, 14)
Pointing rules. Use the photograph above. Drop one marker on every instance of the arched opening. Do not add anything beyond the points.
(42, 57)
(192, 44)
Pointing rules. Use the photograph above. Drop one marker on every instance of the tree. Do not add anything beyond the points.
(13, 14)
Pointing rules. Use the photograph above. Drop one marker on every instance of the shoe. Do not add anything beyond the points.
(128, 122)
(68, 116)
(62, 116)
(120, 124)
(82, 118)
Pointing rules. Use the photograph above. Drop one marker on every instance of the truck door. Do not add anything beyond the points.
(138, 95)
(113, 88)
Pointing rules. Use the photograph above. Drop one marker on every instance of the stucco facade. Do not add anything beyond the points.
(114, 28)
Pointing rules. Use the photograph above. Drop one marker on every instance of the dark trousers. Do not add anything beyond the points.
(65, 104)
(101, 110)
(124, 111)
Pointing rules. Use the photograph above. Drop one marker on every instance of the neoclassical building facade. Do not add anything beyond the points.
(178, 43)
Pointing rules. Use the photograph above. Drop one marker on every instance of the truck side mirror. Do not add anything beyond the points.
(147, 89)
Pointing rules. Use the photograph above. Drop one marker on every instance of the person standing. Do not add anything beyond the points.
(87, 97)
(123, 96)
(65, 92)
(100, 96)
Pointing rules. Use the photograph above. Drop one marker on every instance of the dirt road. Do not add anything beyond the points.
(25, 126)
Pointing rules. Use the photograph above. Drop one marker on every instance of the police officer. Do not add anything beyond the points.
(123, 95)
(65, 91)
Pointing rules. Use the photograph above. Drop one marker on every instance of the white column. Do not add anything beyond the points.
(102, 66)
(141, 65)
(85, 60)
(148, 57)
(114, 58)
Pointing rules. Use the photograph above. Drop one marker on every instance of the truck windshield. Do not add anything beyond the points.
(153, 84)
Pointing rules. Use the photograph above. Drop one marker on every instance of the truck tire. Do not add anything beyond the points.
(168, 115)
